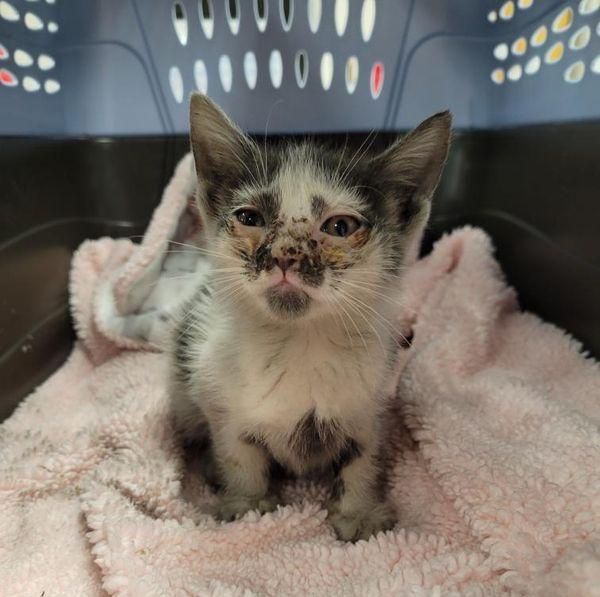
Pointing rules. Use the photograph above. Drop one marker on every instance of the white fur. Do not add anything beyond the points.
(307, 371)
(295, 345)
(256, 376)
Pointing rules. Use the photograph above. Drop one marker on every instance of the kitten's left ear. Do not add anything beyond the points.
(413, 165)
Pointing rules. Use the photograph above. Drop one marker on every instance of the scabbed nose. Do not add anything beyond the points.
(285, 263)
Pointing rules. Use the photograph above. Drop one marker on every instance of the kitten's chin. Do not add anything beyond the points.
(287, 302)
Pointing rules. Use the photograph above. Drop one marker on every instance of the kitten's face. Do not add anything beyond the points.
(304, 231)
(304, 243)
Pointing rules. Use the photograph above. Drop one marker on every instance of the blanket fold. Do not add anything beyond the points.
(492, 447)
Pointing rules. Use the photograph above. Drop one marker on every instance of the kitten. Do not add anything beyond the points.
(283, 356)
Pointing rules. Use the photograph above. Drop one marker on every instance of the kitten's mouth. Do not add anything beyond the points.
(285, 285)
(287, 300)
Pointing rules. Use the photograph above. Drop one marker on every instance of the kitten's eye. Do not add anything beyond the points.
(249, 217)
(341, 226)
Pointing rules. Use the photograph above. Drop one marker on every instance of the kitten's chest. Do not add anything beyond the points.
(284, 379)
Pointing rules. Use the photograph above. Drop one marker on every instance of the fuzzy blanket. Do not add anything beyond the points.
(493, 449)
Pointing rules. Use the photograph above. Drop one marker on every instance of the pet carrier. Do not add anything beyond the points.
(94, 116)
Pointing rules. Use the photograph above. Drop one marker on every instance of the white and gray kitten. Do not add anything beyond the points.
(284, 355)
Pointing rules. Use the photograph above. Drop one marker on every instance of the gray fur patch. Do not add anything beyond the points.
(350, 452)
(189, 331)
(317, 206)
(288, 304)
(313, 437)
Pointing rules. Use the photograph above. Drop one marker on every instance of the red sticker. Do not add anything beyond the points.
(7, 78)
(377, 74)
(3, 53)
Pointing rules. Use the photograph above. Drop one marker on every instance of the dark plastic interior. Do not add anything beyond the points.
(534, 189)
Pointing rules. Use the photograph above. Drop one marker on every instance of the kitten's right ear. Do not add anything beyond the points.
(218, 145)
(413, 165)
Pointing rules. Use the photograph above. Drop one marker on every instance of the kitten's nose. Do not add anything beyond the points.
(284, 263)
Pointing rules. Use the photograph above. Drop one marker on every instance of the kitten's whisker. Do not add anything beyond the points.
(358, 159)
(233, 295)
(364, 287)
(218, 270)
(367, 284)
(180, 244)
(390, 326)
(227, 270)
(240, 160)
(343, 316)
(353, 162)
(354, 324)
(387, 273)
(335, 304)
(224, 286)
(370, 291)
(336, 176)
(224, 280)
(378, 315)
(163, 278)
(177, 251)
(354, 155)
(235, 273)
(202, 250)
(226, 277)
(236, 294)
(364, 186)
(358, 310)
(256, 151)
(187, 316)
(227, 291)
(279, 101)
(351, 301)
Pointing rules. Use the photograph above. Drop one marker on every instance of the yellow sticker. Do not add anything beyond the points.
(555, 53)
(519, 46)
(507, 10)
(498, 76)
(563, 20)
(539, 37)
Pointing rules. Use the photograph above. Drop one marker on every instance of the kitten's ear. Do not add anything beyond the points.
(413, 165)
(218, 145)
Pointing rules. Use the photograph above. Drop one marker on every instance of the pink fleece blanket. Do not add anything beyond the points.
(493, 450)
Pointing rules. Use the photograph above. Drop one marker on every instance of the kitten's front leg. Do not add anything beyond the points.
(244, 471)
(359, 511)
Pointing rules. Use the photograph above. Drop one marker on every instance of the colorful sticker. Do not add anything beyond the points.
(498, 76)
(507, 10)
(555, 53)
(377, 75)
(7, 78)
(575, 72)
(519, 46)
(563, 20)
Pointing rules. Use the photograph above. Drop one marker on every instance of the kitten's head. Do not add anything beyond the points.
(306, 231)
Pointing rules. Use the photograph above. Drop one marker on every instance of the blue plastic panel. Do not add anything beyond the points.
(122, 67)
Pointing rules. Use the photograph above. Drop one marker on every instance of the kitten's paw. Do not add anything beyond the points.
(361, 524)
(233, 506)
